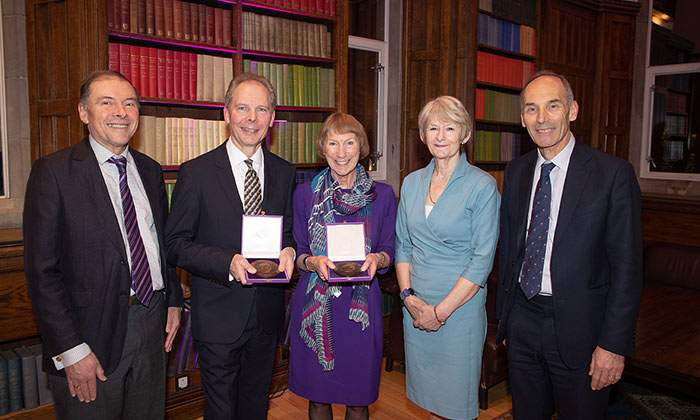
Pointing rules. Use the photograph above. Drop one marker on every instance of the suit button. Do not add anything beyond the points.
(511, 264)
(123, 293)
(123, 262)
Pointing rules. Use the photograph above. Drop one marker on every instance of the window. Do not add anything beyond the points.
(367, 69)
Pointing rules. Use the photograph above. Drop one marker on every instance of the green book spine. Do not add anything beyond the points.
(294, 152)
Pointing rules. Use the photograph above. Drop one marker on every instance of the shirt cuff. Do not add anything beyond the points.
(71, 356)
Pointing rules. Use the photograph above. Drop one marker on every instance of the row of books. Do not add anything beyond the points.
(286, 36)
(524, 11)
(676, 102)
(23, 384)
(676, 125)
(297, 85)
(173, 19)
(497, 146)
(174, 140)
(183, 357)
(295, 141)
(167, 74)
(321, 7)
(497, 106)
(505, 35)
(491, 68)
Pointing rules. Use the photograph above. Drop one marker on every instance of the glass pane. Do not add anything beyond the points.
(367, 19)
(363, 100)
(675, 124)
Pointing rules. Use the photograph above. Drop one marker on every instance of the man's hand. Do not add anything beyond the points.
(239, 266)
(81, 378)
(606, 368)
(287, 261)
(372, 263)
(171, 326)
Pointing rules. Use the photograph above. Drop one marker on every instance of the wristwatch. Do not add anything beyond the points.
(406, 293)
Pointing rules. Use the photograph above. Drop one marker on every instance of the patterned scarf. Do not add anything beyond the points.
(327, 201)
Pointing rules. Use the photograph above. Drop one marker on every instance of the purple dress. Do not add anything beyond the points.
(358, 354)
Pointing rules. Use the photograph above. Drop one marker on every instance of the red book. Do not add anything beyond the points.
(169, 75)
(117, 10)
(296, 4)
(194, 18)
(202, 23)
(110, 14)
(288, 4)
(177, 75)
(480, 103)
(218, 26)
(162, 73)
(113, 56)
(227, 27)
(153, 72)
(185, 76)
(168, 13)
(133, 16)
(321, 7)
(331, 7)
(159, 17)
(304, 5)
(186, 21)
(177, 18)
(125, 60)
(125, 15)
(210, 24)
(145, 68)
(136, 67)
(193, 76)
(312, 6)
(141, 6)
(150, 17)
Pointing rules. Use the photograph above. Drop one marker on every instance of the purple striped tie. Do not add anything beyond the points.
(141, 281)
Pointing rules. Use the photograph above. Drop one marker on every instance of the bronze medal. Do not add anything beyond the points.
(348, 269)
(266, 268)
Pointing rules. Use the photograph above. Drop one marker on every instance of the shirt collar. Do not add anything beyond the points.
(237, 157)
(561, 160)
(103, 154)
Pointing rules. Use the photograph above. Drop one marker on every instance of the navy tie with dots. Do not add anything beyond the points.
(531, 275)
(141, 281)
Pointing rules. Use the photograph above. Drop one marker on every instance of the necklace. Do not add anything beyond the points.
(430, 187)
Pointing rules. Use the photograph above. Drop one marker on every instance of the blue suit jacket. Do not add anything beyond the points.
(204, 233)
(596, 264)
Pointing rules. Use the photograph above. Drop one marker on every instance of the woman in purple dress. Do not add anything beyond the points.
(336, 328)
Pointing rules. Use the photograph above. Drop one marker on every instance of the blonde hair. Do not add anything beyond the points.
(446, 109)
(341, 123)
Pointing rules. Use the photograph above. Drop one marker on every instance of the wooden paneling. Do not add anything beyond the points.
(62, 37)
(16, 317)
(671, 219)
(439, 44)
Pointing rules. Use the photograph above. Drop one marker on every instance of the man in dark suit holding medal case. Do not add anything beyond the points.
(570, 271)
(234, 324)
(106, 302)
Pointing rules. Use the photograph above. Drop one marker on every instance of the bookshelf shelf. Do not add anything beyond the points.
(305, 109)
(43, 412)
(506, 53)
(177, 102)
(499, 87)
(291, 57)
(286, 11)
(496, 124)
(502, 17)
(153, 40)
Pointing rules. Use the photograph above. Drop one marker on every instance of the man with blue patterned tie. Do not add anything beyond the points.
(570, 274)
(235, 325)
(106, 302)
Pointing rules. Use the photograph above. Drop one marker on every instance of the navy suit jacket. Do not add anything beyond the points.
(75, 260)
(596, 264)
(204, 233)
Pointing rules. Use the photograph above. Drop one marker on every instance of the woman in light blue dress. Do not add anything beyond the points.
(446, 234)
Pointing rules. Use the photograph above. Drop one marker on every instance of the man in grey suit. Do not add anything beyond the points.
(106, 302)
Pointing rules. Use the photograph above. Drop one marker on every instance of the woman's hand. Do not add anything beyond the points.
(372, 262)
(415, 307)
(427, 321)
(320, 264)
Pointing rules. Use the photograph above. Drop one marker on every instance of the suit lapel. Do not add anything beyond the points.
(224, 173)
(577, 175)
(90, 176)
(524, 193)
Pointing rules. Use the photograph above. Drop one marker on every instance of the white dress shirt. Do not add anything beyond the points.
(239, 168)
(557, 179)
